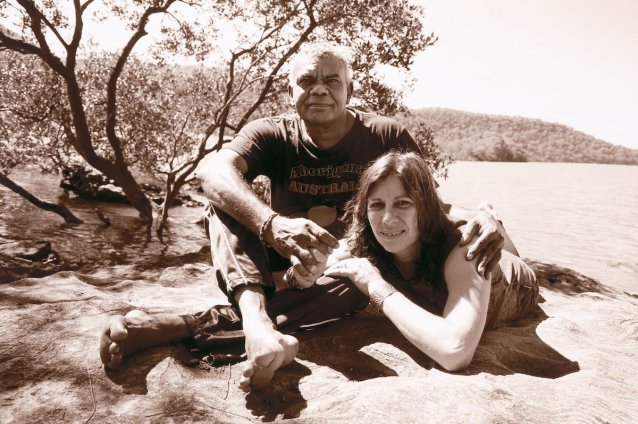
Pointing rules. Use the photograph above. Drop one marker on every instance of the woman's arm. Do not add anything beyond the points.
(450, 339)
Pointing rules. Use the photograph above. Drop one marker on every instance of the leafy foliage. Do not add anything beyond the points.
(424, 136)
(31, 116)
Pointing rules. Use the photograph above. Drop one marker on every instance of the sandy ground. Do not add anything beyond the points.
(574, 362)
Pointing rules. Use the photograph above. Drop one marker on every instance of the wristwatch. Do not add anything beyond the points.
(291, 279)
(379, 293)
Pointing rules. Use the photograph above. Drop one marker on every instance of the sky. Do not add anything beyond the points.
(573, 62)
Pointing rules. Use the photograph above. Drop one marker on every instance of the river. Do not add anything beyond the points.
(582, 216)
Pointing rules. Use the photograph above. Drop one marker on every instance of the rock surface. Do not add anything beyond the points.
(575, 361)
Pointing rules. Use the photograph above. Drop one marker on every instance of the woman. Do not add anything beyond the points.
(407, 260)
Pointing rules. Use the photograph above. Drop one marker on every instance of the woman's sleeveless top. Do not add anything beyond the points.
(420, 290)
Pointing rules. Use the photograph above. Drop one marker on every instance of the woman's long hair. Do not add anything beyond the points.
(433, 225)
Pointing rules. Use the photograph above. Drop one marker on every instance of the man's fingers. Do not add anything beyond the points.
(487, 257)
(493, 263)
(469, 231)
(298, 266)
(478, 246)
(306, 258)
(326, 238)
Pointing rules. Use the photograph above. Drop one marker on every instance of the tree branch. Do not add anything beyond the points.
(23, 47)
(220, 122)
(111, 100)
(61, 210)
(85, 5)
(52, 27)
(35, 18)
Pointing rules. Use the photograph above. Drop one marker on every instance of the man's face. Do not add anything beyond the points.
(320, 90)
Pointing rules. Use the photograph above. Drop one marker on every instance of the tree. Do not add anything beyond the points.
(108, 124)
(437, 161)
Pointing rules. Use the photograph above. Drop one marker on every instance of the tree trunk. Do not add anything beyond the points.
(123, 177)
(172, 188)
(134, 193)
(61, 210)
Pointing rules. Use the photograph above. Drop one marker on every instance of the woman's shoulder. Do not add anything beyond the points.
(458, 270)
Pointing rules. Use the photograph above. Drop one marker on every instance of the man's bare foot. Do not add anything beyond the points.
(123, 335)
(266, 358)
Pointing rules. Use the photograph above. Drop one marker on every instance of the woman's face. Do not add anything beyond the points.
(393, 218)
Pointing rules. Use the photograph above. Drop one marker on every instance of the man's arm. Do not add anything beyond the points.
(223, 184)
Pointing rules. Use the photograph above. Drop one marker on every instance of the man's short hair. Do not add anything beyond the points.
(315, 51)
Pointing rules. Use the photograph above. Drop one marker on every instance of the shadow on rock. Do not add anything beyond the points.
(515, 349)
(282, 399)
(338, 346)
(132, 374)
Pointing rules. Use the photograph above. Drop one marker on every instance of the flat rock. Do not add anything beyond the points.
(574, 361)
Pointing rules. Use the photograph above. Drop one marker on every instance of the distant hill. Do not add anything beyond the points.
(474, 136)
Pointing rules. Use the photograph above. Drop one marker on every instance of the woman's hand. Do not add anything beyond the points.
(360, 271)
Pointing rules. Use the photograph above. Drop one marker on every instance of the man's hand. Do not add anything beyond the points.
(297, 237)
(489, 243)
(306, 277)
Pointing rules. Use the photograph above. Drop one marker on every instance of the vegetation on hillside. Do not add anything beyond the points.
(473, 136)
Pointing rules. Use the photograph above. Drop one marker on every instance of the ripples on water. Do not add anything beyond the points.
(582, 216)
(123, 242)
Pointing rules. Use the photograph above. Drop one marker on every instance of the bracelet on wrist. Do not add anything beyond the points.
(291, 280)
(380, 293)
(267, 223)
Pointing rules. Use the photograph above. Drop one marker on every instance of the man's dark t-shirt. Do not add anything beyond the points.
(307, 181)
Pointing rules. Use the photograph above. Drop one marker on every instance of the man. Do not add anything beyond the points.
(313, 159)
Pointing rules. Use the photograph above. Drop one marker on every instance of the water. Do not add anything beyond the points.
(582, 216)
(91, 243)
